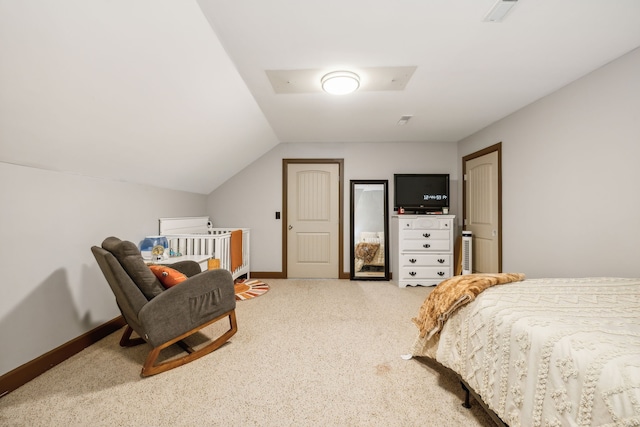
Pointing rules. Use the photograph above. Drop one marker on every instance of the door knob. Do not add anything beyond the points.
(290, 227)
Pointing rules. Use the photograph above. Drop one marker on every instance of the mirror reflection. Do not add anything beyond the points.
(369, 230)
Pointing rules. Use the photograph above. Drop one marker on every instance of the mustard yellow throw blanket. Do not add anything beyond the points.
(453, 293)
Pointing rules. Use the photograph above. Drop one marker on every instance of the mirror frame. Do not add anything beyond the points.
(384, 274)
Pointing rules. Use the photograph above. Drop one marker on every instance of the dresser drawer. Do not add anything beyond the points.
(415, 273)
(427, 222)
(425, 234)
(425, 260)
(425, 245)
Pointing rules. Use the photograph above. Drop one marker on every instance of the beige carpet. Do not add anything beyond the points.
(307, 353)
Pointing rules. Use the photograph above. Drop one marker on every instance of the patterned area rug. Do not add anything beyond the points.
(247, 289)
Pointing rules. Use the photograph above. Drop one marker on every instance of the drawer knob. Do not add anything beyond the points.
(441, 261)
(413, 260)
(440, 273)
(426, 234)
(426, 245)
(412, 273)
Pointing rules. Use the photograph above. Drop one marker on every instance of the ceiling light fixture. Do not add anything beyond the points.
(340, 82)
(500, 10)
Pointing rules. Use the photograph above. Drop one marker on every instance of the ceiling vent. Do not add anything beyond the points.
(403, 120)
(500, 10)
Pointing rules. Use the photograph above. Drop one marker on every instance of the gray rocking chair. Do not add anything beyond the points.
(162, 317)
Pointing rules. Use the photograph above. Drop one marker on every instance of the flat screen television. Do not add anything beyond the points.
(421, 193)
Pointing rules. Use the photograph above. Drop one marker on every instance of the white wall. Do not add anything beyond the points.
(52, 288)
(571, 179)
(251, 198)
(560, 155)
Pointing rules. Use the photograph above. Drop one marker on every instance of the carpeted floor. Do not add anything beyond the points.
(307, 353)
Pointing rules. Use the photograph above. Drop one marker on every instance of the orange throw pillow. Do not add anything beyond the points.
(168, 276)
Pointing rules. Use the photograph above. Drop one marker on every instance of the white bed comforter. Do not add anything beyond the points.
(549, 352)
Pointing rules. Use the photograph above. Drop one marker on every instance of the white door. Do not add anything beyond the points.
(312, 220)
(482, 211)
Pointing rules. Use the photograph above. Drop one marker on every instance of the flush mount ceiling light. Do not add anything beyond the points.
(340, 82)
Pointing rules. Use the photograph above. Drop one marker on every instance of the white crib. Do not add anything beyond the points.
(194, 238)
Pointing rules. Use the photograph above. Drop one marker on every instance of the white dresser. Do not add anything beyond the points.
(421, 249)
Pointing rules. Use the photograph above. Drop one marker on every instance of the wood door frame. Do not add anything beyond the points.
(488, 150)
(285, 204)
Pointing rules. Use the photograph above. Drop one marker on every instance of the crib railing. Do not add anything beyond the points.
(215, 244)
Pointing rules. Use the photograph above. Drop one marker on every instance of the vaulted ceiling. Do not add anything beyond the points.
(176, 93)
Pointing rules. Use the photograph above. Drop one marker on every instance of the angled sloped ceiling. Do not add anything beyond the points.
(138, 91)
(467, 73)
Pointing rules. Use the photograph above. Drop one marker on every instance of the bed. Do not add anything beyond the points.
(369, 251)
(195, 238)
(545, 352)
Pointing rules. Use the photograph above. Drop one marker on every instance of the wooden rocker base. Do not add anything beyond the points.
(151, 368)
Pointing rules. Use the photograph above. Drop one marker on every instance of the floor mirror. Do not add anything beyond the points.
(369, 230)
